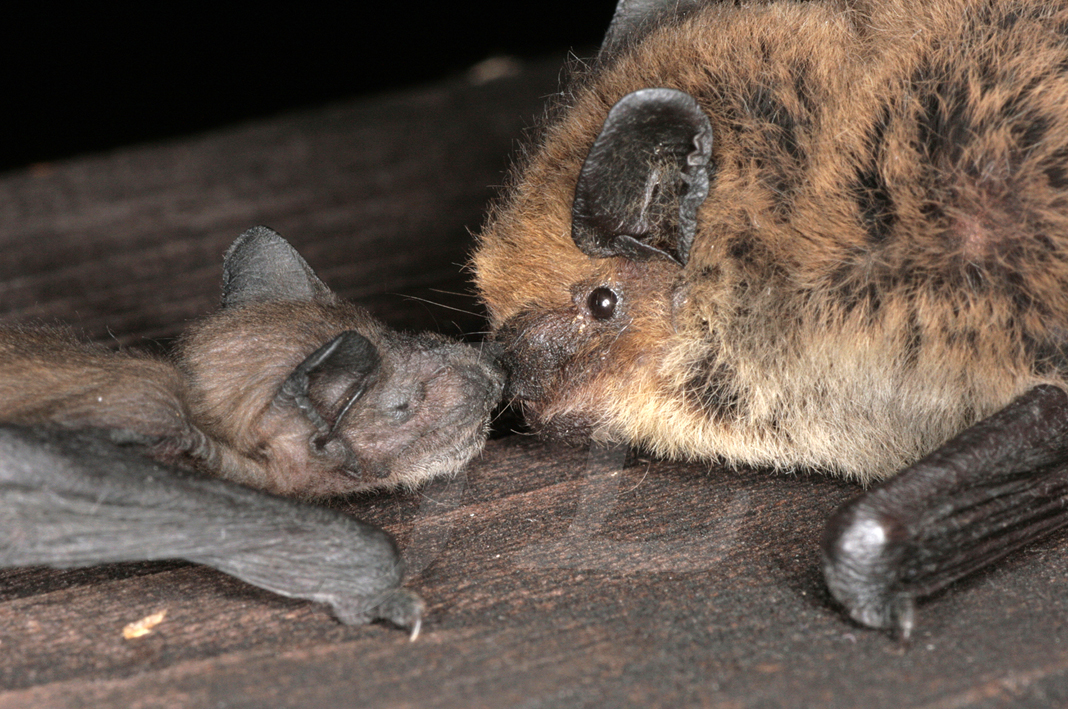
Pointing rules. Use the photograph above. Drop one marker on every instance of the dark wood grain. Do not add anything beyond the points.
(554, 576)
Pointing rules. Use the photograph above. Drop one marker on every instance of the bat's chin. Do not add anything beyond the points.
(560, 403)
(547, 418)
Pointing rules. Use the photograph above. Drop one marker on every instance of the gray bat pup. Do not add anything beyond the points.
(105, 456)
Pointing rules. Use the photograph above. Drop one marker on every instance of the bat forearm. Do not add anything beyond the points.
(995, 487)
(73, 499)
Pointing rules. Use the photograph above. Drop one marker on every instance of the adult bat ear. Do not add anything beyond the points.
(644, 179)
(633, 19)
(261, 267)
(330, 380)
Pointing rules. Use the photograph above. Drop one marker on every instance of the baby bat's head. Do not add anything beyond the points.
(315, 396)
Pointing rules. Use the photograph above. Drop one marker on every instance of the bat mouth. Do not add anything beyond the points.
(546, 419)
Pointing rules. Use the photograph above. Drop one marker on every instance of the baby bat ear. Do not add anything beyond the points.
(330, 380)
(261, 266)
(634, 19)
(644, 179)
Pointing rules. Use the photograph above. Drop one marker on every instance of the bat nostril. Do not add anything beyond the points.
(403, 411)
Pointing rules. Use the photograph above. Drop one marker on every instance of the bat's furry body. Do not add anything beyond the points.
(881, 260)
(287, 389)
(49, 377)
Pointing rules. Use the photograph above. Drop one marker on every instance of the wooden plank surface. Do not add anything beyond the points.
(554, 576)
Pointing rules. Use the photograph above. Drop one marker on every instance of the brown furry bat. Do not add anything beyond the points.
(287, 389)
(829, 235)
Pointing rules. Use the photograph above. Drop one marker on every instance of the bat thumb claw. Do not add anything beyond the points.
(903, 617)
(404, 609)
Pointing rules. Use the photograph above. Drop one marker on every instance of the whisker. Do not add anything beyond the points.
(449, 292)
(639, 483)
(441, 305)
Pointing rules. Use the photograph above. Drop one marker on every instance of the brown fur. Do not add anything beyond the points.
(49, 377)
(882, 259)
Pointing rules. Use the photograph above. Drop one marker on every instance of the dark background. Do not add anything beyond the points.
(85, 79)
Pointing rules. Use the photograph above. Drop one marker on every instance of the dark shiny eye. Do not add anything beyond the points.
(602, 303)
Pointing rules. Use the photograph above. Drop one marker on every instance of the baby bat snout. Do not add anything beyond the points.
(449, 384)
(480, 378)
(428, 415)
(494, 368)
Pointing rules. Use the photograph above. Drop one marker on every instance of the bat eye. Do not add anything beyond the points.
(602, 303)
